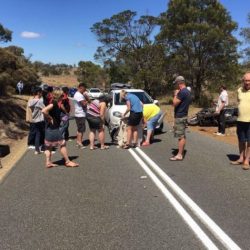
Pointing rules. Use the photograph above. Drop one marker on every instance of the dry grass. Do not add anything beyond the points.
(63, 80)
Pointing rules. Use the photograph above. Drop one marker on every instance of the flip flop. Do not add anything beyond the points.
(236, 162)
(245, 167)
(174, 158)
(51, 165)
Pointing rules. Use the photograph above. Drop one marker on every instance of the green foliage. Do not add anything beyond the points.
(47, 69)
(128, 51)
(199, 43)
(92, 74)
(5, 34)
(245, 32)
(14, 67)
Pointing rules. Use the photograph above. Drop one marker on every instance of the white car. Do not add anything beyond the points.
(94, 93)
(117, 107)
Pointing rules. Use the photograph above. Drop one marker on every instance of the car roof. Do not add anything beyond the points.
(127, 90)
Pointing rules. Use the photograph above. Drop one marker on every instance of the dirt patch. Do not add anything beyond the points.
(63, 80)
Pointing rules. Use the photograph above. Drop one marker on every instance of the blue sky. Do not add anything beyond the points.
(58, 31)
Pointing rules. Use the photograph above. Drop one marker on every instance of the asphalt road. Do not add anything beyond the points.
(110, 202)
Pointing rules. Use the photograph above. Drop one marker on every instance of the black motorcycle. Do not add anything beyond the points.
(208, 117)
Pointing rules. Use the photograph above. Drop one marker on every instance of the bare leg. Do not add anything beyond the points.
(79, 137)
(149, 134)
(181, 146)
(64, 153)
(68, 162)
(242, 149)
(247, 152)
(48, 156)
(101, 136)
(92, 138)
(129, 135)
(135, 135)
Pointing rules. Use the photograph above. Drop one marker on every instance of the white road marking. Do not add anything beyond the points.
(181, 211)
(205, 219)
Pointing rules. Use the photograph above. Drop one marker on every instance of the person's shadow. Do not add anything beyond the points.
(233, 157)
(61, 162)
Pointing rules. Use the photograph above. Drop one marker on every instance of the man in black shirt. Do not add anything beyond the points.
(181, 102)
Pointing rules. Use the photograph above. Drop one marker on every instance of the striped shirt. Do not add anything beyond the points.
(94, 108)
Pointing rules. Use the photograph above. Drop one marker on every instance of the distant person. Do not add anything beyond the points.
(243, 123)
(53, 136)
(19, 87)
(220, 110)
(64, 106)
(135, 110)
(36, 105)
(80, 102)
(151, 115)
(96, 120)
(181, 102)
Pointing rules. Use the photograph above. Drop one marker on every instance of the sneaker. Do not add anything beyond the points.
(37, 152)
(218, 133)
(31, 147)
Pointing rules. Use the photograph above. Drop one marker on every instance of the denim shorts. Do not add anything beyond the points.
(243, 131)
(151, 124)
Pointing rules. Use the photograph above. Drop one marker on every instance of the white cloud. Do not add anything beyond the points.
(30, 35)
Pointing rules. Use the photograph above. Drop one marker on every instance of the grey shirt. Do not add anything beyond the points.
(36, 106)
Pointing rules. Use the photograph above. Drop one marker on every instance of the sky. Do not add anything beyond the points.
(58, 31)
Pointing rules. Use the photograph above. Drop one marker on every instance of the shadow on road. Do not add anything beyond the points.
(61, 162)
(233, 157)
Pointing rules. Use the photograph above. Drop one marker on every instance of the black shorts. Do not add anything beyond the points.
(134, 119)
(243, 131)
(95, 123)
(80, 123)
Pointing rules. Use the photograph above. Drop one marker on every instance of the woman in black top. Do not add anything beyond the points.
(53, 136)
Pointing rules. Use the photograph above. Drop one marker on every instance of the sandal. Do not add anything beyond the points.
(51, 165)
(145, 143)
(71, 164)
(93, 148)
(127, 146)
(104, 147)
(175, 158)
(236, 162)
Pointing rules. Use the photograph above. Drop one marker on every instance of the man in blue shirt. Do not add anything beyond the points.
(181, 102)
(135, 110)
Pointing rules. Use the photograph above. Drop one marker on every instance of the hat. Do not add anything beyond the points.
(179, 79)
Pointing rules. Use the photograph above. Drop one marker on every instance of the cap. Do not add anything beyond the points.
(179, 79)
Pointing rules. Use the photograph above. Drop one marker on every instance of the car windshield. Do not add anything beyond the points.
(95, 91)
(143, 96)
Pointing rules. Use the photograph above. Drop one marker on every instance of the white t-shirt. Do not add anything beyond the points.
(222, 98)
(80, 111)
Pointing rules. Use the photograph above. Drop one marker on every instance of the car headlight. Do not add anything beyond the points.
(117, 114)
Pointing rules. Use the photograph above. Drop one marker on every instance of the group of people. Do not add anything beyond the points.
(48, 114)
(50, 119)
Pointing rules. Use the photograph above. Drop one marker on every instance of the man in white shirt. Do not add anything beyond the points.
(220, 110)
(80, 102)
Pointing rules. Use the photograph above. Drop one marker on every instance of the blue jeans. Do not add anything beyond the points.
(151, 124)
